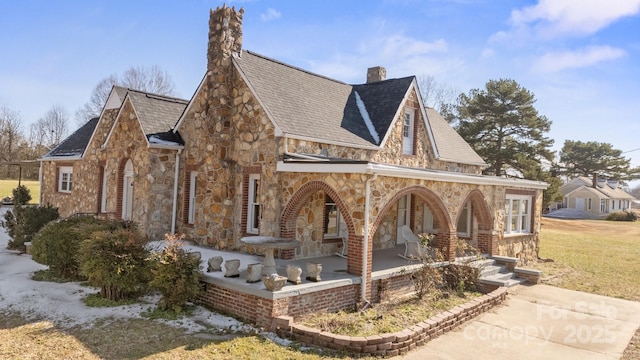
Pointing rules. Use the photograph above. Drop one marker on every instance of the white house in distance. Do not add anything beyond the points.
(597, 196)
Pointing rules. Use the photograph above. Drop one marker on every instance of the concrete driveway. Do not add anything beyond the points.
(542, 322)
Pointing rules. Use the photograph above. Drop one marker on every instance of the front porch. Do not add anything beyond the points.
(390, 276)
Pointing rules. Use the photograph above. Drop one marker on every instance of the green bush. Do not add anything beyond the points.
(115, 261)
(57, 244)
(24, 221)
(622, 216)
(176, 275)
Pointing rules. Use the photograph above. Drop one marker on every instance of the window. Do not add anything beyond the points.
(464, 221)
(517, 214)
(427, 220)
(589, 204)
(193, 176)
(103, 199)
(407, 132)
(332, 218)
(253, 210)
(65, 179)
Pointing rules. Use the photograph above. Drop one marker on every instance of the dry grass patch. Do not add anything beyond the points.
(595, 256)
(134, 339)
(387, 317)
(7, 186)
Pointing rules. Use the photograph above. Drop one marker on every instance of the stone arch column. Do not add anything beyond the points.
(299, 199)
(442, 220)
(479, 208)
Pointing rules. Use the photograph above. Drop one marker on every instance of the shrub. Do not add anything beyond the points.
(57, 244)
(622, 216)
(176, 275)
(428, 278)
(115, 261)
(23, 222)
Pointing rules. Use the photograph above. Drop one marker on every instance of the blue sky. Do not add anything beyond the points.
(581, 58)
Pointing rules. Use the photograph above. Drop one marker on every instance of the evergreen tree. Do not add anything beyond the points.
(579, 158)
(503, 127)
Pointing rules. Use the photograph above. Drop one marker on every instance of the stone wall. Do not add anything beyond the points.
(153, 175)
(86, 175)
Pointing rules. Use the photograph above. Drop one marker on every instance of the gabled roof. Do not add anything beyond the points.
(309, 106)
(75, 144)
(449, 144)
(156, 113)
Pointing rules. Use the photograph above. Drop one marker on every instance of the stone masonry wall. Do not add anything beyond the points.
(84, 195)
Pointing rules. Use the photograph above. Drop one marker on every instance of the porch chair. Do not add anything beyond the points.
(412, 244)
(343, 252)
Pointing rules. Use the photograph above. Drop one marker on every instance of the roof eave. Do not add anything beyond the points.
(411, 173)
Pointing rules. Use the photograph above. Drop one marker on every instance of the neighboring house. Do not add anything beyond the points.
(265, 148)
(596, 196)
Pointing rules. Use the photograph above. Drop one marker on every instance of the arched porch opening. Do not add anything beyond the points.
(475, 223)
(312, 198)
(418, 196)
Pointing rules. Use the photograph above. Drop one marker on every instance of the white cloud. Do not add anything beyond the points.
(552, 18)
(399, 54)
(553, 62)
(271, 14)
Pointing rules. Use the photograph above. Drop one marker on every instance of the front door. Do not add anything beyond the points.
(127, 191)
(404, 210)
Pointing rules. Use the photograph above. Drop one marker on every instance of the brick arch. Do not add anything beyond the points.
(480, 209)
(299, 199)
(440, 215)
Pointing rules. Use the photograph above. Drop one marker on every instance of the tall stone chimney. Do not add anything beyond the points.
(225, 36)
(377, 73)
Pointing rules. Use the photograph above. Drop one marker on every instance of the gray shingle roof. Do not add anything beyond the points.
(156, 113)
(313, 106)
(451, 146)
(75, 144)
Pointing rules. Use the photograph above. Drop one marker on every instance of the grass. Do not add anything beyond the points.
(7, 186)
(594, 256)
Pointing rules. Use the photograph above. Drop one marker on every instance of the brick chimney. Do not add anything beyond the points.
(225, 36)
(375, 74)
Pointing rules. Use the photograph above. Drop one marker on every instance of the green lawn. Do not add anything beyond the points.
(595, 256)
(7, 186)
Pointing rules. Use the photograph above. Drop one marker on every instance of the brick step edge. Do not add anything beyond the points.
(392, 344)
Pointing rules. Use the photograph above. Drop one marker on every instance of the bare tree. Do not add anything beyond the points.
(10, 136)
(435, 94)
(153, 80)
(51, 129)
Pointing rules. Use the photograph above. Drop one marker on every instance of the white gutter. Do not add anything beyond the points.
(365, 247)
(175, 193)
(409, 173)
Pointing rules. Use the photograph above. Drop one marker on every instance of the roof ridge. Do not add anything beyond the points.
(293, 67)
(159, 96)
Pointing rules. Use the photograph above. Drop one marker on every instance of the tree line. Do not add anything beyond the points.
(503, 126)
(20, 141)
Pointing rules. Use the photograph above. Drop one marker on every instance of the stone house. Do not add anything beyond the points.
(597, 196)
(265, 148)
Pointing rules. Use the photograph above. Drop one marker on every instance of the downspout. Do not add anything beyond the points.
(175, 193)
(365, 247)
(40, 183)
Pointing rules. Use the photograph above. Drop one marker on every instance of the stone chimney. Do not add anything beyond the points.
(225, 36)
(375, 74)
